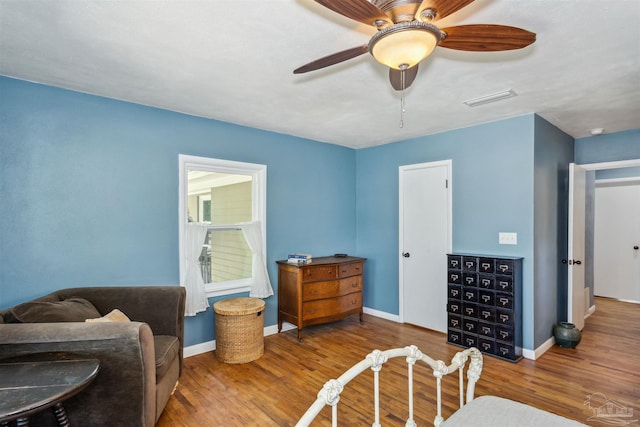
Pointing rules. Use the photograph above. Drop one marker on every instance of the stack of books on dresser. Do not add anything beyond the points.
(299, 258)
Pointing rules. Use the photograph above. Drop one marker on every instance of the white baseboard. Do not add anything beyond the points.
(591, 310)
(382, 314)
(205, 347)
(535, 354)
(196, 349)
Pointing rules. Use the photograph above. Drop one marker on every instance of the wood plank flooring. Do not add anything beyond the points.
(277, 389)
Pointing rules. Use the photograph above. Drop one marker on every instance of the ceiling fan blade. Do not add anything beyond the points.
(486, 38)
(332, 59)
(442, 8)
(358, 10)
(395, 77)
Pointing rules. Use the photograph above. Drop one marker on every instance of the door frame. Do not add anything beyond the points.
(449, 165)
(593, 167)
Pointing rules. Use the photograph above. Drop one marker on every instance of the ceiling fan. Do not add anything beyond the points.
(407, 34)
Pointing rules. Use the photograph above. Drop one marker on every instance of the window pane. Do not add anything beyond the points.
(222, 199)
(230, 256)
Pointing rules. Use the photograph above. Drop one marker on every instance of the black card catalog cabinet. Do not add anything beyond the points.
(484, 304)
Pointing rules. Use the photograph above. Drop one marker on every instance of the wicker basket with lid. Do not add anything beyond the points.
(239, 329)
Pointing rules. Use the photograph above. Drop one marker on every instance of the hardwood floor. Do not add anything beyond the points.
(277, 389)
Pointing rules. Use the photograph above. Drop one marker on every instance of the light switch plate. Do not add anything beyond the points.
(507, 238)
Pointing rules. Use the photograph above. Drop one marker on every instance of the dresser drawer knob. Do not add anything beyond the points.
(354, 285)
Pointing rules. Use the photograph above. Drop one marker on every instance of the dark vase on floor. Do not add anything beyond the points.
(566, 334)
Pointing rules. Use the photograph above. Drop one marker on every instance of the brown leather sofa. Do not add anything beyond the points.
(140, 360)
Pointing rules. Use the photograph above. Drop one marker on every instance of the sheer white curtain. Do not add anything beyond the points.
(196, 295)
(261, 285)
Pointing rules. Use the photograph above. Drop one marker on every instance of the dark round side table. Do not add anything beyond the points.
(34, 382)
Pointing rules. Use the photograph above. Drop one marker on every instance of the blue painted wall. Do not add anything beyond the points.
(89, 193)
(553, 153)
(608, 147)
(493, 184)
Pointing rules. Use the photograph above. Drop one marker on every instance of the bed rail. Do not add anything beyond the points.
(330, 392)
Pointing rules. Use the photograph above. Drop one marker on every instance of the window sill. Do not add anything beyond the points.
(229, 289)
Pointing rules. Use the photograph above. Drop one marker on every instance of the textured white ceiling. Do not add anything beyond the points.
(233, 61)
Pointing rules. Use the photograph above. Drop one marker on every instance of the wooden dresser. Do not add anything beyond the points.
(325, 290)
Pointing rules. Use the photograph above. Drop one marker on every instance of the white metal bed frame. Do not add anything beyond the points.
(330, 392)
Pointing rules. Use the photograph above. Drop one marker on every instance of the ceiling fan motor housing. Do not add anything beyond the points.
(399, 10)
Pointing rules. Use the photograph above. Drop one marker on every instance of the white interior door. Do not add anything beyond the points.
(425, 239)
(617, 240)
(575, 258)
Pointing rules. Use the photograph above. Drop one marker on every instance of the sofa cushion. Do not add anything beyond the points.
(114, 315)
(167, 348)
(69, 310)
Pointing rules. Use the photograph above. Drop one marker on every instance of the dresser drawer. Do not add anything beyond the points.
(470, 263)
(470, 294)
(504, 300)
(455, 291)
(470, 309)
(454, 262)
(313, 273)
(486, 265)
(331, 289)
(505, 350)
(454, 307)
(455, 322)
(504, 266)
(504, 284)
(348, 270)
(505, 317)
(469, 340)
(454, 337)
(486, 297)
(332, 306)
(487, 329)
(504, 333)
(486, 345)
(454, 277)
(487, 313)
(470, 279)
(486, 281)
(469, 325)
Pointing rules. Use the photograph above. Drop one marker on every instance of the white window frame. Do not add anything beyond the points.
(259, 208)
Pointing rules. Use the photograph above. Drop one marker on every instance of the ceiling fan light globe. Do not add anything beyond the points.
(405, 44)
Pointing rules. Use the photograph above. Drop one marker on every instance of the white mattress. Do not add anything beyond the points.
(492, 411)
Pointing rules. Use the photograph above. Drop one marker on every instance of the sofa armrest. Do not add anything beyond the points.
(161, 307)
(123, 393)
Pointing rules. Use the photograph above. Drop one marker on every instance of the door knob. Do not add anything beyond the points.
(636, 247)
(406, 254)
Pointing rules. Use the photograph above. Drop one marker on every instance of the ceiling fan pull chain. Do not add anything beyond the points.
(402, 84)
